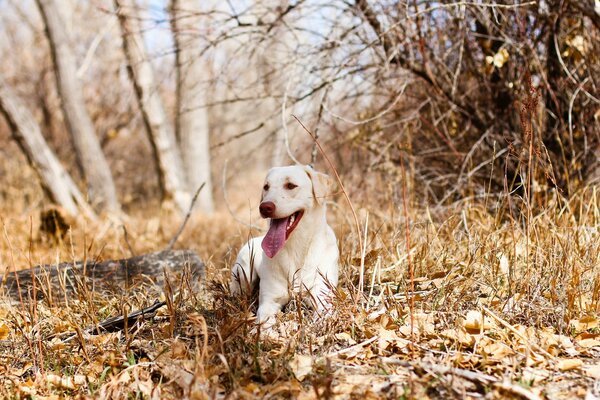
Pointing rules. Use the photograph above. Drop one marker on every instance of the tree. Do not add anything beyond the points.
(160, 133)
(55, 180)
(101, 188)
(192, 127)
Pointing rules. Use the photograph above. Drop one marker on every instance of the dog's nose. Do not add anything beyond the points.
(267, 209)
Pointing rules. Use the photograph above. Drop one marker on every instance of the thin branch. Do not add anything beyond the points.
(187, 217)
(238, 136)
(337, 176)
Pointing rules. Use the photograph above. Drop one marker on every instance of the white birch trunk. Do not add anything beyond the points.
(192, 119)
(55, 180)
(160, 132)
(101, 188)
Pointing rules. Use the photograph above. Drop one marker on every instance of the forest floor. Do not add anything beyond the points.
(495, 308)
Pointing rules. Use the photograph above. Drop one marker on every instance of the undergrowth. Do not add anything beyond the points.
(512, 300)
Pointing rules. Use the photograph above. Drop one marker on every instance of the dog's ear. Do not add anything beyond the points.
(321, 184)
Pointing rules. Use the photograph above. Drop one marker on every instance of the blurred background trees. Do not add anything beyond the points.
(471, 99)
(55, 181)
(90, 159)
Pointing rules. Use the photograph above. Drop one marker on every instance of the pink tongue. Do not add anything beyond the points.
(275, 238)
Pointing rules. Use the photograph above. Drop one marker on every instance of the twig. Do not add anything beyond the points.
(571, 103)
(225, 198)
(89, 55)
(411, 267)
(284, 126)
(349, 349)
(313, 153)
(126, 238)
(187, 217)
(473, 376)
(238, 136)
(570, 75)
(516, 332)
(363, 252)
(337, 176)
(117, 323)
(380, 114)
(518, 390)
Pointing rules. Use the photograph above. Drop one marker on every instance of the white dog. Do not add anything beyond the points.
(299, 253)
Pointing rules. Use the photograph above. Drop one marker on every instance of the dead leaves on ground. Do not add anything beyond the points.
(361, 363)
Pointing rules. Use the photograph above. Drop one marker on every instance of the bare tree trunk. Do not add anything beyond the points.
(279, 149)
(191, 124)
(95, 168)
(66, 8)
(54, 178)
(162, 138)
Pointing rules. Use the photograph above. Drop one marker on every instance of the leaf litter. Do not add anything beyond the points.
(494, 314)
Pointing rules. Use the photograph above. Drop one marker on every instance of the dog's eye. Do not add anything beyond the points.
(266, 187)
(290, 186)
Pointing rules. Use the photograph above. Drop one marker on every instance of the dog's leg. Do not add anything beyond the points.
(273, 295)
(321, 296)
(266, 313)
(244, 272)
(241, 280)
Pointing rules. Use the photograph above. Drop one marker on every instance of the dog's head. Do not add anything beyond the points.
(288, 193)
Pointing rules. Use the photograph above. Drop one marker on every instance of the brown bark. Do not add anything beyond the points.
(55, 180)
(101, 188)
(192, 123)
(160, 133)
(54, 281)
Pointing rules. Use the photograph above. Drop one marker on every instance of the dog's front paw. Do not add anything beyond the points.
(265, 315)
(324, 314)
(271, 335)
(267, 331)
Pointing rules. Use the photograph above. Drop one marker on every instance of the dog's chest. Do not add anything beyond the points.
(298, 267)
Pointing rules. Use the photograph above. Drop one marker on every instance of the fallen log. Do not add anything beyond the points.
(58, 280)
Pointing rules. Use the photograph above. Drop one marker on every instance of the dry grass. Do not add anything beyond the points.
(503, 307)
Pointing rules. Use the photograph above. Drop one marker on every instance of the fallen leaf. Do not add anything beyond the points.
(4, 331)
(504, 264)
(588, 343)
(500, 58)
(578, 42)
(388, 339)
(66, 382)
(21, 371)
(568, 364)
(459, 335)
(423, 325)
(375, 315)
(56, 344)
(585, 323)
(495, 349)
(301, 366)
(593, 371)
(123, 377)
(344, 336)
(473, 322)
(535, 375)
(28, 388)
